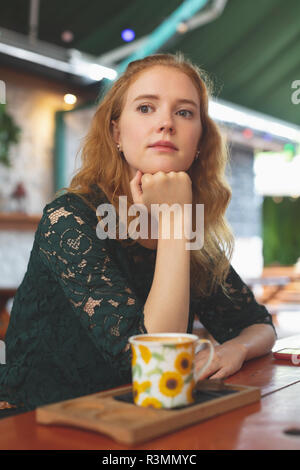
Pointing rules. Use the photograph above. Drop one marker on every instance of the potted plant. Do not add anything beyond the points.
(9, 134)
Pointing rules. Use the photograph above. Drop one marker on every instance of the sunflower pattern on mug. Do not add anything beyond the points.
(163, 374)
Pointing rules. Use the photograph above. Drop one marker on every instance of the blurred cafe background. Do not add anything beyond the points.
(57, 57)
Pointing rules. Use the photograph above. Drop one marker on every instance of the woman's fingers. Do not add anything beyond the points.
(220, 374)
(136, 187)
(228, 359)
(201, 360)
(166, 188)
(213, 368)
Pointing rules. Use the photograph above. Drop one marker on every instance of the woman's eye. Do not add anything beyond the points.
(185, 113)
(145, 108)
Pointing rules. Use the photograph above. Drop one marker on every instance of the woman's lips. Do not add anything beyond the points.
(161, 148)
(164, 146)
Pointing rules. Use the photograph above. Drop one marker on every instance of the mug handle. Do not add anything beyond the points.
(210, 357)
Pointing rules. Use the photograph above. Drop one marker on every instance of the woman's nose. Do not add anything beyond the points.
(167, 128)
(166, 124)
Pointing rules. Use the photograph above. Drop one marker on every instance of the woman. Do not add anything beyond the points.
(83, 296)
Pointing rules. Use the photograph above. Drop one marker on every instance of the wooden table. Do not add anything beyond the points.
(274, 285)
(262, 425)
(281, 288)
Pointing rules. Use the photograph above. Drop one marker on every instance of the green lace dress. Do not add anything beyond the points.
(80, 300)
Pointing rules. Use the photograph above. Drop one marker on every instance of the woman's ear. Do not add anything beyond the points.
(115, 131)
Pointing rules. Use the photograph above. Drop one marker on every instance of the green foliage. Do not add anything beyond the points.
(9, 134)
(281, 230)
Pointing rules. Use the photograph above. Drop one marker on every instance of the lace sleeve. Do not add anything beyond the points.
(99, 294)
(225, 318)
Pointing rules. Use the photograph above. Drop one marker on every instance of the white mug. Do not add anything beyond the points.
(163, 368)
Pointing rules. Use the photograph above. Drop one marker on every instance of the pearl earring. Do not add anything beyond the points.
(197, 154)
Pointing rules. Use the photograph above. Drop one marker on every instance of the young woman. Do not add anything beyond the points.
(83, 296)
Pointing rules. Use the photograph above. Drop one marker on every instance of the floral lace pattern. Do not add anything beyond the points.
(225, 318)
(80, 301)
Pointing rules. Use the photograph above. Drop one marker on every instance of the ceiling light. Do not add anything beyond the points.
(82, 65)
(97, 72)
(253, 120)
(248, 133)
(67, 36)
(70, 99)
(128, 35)
(70, 61)
(182, 27)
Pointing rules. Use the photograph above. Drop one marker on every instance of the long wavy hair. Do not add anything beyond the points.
(104, 167)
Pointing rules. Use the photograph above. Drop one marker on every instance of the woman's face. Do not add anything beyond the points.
(159, 127)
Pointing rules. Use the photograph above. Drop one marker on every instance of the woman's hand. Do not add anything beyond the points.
(228, 359)
(161, 188)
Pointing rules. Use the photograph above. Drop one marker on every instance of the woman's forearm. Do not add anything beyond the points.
(257, 340)
(167, 305)
(254, 341)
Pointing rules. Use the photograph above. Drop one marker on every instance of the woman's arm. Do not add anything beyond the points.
(242, 327)
(254, 341)
(167, 305)
(100, 295)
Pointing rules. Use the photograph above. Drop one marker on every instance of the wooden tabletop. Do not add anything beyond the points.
(271, 423)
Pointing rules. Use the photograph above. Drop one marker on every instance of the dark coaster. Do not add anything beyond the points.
(200, 397)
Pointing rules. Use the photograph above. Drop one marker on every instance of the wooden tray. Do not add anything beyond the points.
(127, 423)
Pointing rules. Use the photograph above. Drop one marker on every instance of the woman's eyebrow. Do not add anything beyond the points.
(156, 97)
(146, 97)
